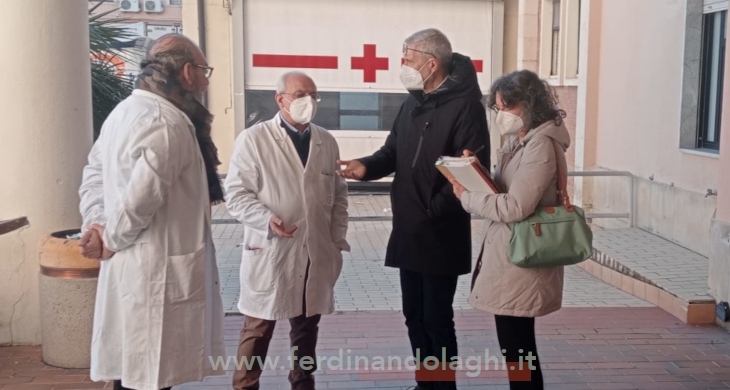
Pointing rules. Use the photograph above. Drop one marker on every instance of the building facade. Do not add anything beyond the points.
(144, 18)
(651, 100)
(642, 83)
(143, 22)
(354, 62)
(544, 36)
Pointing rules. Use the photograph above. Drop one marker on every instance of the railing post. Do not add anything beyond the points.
(632, 218)
(631, 215)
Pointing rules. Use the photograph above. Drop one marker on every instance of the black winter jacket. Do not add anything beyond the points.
(431, 232)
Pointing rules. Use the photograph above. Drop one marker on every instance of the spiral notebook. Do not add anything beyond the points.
(469, 173)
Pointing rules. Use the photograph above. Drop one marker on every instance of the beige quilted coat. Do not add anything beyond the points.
(527, 171)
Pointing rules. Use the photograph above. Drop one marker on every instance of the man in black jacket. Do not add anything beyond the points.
(431, 238)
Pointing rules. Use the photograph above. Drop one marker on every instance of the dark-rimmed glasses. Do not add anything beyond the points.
(406, 48)
(314, 96)
(208, 70)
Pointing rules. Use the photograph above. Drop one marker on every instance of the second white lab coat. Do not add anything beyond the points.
(266, 178)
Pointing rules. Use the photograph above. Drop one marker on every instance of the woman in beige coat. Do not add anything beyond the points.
(527, 172)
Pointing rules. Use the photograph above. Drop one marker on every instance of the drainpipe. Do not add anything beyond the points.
(201, 38)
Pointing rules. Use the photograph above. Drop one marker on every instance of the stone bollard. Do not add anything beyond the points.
(67, 296)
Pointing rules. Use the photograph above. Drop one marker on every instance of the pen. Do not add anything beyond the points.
(479, 149)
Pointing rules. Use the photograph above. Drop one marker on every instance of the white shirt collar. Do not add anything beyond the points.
(292, 128)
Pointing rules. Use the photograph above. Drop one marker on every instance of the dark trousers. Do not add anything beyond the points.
(255, 338)
(515, 334)
(428, 308)
(118, 386)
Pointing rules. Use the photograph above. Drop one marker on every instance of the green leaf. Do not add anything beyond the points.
(107, 89)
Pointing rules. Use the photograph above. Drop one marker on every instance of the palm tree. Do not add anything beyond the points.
(108, 86)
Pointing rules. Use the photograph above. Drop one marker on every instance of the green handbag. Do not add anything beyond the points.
(552, 236)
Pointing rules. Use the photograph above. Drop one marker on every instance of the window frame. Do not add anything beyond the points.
(555, 35)
(691, 126)
(568, 42)
(706, 86)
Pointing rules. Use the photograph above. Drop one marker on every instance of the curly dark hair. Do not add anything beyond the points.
(523, 87)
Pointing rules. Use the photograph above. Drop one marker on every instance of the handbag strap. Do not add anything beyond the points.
(562, 165)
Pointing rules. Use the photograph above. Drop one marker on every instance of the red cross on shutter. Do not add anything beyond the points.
(369, 63)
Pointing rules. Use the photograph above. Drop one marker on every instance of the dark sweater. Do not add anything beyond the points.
(300, 141)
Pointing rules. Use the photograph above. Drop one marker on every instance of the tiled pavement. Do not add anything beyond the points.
(654, 260)
(366, 285)
(581, 348)
(622, 344)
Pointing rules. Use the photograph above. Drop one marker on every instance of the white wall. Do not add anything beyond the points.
(638, 123)
(47, 134)
(640, 94)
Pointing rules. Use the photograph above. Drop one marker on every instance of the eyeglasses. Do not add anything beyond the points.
(406, 48)
(208, 70)
(300, 95)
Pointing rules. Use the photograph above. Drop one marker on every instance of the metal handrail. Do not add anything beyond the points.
(630, 215)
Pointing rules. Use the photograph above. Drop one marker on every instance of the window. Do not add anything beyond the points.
(559, 41)
(702, 81)
(555, 49)
(711, 78)
(336, 111)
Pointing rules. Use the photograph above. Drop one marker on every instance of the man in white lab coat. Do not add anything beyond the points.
(146, 197)
(283, 187)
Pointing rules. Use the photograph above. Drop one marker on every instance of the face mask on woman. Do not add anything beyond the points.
(508, 123)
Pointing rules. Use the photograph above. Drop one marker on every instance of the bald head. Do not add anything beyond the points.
(172, 42)
(173, 51)
(181, 58)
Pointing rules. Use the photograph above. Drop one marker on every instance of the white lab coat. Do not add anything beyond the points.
(159, 313)
(266, 178)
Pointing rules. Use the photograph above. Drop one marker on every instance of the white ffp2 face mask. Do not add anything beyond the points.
(302, 110)
(411, 78)
(508, 123)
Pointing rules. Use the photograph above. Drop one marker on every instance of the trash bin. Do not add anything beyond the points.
(67, 295)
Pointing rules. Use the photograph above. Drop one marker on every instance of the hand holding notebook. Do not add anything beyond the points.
(469, 173)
